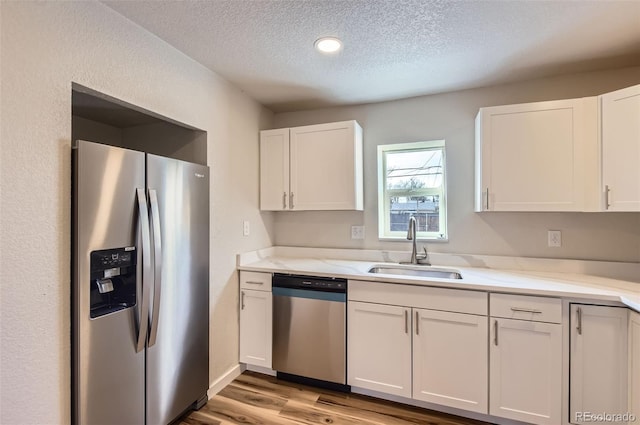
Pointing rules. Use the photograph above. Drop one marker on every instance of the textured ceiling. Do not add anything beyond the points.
(392, 48)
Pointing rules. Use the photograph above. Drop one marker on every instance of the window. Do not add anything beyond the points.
(411, 182)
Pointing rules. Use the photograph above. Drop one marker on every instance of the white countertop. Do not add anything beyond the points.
(546, 283)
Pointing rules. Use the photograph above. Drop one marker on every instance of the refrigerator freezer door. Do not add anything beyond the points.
(178, 360)
(107, 372)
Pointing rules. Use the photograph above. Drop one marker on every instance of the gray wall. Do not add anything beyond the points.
(47, 46)
(450, 116)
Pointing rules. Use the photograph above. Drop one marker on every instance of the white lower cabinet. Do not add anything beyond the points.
(526, 371)
(379, 348)
(255, 319)
(525, 366)
(599, 362)
(450, 359)
(434, 356)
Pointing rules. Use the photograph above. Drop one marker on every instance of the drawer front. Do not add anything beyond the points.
(257, 281)
(524, 307)
(418, 296)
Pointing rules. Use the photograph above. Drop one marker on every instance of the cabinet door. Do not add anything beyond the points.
(598, 358)
(379, 348)
(274, 169)
(533, 157)
(450, 360)
(255, 327)
(326, 167)
(634, 363)
(621, 149)
(526, 371)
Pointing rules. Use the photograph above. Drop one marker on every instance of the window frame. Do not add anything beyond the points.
(384, 222)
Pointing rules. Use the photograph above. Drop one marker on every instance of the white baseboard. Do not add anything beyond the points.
(224, 380)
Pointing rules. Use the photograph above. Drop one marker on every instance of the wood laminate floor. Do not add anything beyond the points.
(253, 398)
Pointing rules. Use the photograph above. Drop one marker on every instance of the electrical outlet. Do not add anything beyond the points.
(357, 232)
(554, 238)
(246, 229)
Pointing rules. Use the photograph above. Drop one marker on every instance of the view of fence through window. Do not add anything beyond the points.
(413, 186)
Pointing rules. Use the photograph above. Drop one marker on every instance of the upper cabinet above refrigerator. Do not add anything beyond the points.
(314, 167)
(563, 155)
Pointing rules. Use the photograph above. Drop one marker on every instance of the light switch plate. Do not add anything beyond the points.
(554, 238)
(357, 232)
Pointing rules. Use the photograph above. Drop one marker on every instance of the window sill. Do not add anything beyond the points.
(419, 240)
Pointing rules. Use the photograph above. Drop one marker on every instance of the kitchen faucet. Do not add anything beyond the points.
(411, 236)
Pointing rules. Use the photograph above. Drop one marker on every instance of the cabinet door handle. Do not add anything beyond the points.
(579, 317)
(495, 332)
(242, 300)
(526, 310)
(284, 200)
(291, 201)
(486, 200)
(417, 323)
(607, 189)
(406, 321)
(254, 282)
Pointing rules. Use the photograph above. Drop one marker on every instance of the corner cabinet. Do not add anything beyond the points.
(315, 167)
(598, 377)
(537, 156)
(255, 318)
(621, 149)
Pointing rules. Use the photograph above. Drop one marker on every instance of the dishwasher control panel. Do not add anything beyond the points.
(312, 283)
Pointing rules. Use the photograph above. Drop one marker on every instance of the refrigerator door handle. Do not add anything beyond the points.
(143, 319)
(157, 256)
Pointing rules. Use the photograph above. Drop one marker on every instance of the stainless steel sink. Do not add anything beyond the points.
(421, 272)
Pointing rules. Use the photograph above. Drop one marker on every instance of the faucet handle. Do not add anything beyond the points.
(423, 258)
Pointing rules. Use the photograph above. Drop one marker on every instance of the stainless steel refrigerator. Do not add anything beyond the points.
(140, 286)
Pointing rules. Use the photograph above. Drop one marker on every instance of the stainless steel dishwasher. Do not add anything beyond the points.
(309, 328)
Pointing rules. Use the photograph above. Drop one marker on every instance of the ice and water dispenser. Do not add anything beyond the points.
(113, 280)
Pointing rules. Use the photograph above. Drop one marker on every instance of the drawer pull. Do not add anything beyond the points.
(525, 310)
(254, 282)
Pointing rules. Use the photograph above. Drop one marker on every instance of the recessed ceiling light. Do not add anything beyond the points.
(328, 44)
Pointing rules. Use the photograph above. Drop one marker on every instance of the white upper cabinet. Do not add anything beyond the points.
(621, 149)
(274, 169)
(315, 167)
(536, 156)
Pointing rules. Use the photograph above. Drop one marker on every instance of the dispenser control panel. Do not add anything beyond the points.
(113, 258)
(112, 280)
